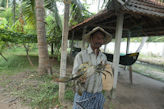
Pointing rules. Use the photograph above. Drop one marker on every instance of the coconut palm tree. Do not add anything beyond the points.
(44, 66)
(29, 13)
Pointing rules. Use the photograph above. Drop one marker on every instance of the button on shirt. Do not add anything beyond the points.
(93, 83)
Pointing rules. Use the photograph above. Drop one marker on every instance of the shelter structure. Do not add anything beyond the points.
(124, 18)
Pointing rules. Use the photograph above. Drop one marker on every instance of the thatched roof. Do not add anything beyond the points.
(141, 18)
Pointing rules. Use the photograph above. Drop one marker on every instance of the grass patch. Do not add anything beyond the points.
(17, 61)
(22, 81)
(38, 92)
(69, 95)
(151, 71)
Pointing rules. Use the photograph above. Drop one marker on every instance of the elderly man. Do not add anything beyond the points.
(92, 97)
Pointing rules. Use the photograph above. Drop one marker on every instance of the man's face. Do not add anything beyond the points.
(97, 40)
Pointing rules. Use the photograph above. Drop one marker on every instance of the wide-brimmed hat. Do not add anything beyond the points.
(107, 38)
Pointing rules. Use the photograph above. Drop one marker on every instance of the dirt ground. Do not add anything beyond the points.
(145, 93)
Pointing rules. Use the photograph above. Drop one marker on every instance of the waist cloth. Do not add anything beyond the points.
(89, 100)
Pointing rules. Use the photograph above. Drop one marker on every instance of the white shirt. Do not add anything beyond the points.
(93, 83)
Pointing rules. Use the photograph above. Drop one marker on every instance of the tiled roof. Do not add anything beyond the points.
(141, 17)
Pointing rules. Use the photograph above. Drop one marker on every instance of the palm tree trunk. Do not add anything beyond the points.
(64, 50)
(44, 65)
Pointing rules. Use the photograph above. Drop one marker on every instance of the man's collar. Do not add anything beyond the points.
(89, 49)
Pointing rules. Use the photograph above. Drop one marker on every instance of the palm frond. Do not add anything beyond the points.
(28, 10)
(51, 5)
(78, 12)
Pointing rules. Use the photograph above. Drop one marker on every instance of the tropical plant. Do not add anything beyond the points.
(78, 12)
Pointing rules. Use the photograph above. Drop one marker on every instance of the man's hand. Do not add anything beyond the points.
(82, 79)
(90, 70)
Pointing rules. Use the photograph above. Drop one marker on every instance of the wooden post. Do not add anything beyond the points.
(118, 36)
(128, 42)
(72, 43)
(105, 48)
(127, 51)
(83, 42)
(144, 39)
(63, 60)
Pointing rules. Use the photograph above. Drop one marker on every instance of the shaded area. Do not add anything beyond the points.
(146, 93)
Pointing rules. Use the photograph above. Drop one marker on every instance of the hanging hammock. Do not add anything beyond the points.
(127, 59)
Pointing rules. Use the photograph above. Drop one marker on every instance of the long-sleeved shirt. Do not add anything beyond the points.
(93, 83)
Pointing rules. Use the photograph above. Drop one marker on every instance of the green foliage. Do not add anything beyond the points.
(3, 23)
(156, 39)
(7, 14)
(54, 33)
(43, 96)
(57, 54)
(79, 12)
(3, 3)
(150, 39)
(16, 37)
(51, 5)
(17, 61)
(69, 95)
(28, 11)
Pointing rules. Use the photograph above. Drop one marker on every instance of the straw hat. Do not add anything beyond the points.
(108, 36)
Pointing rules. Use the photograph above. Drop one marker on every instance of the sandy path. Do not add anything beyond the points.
(9, 103)
(145, 93)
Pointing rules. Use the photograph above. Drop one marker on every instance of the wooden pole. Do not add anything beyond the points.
(118, 36)
(127, 51)
(83, 42)
(105, 48)
(64, 50)
(128, 42)
(72, 42)
(144, 39)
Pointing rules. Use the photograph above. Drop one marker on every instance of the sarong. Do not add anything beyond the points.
(89, 101)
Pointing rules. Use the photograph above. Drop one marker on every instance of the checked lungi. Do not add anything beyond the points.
(89, 101)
